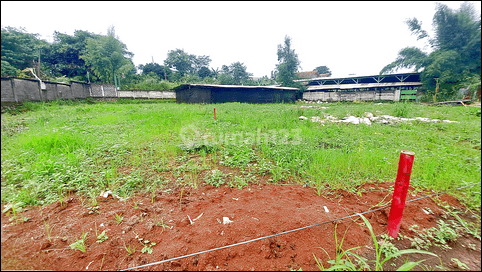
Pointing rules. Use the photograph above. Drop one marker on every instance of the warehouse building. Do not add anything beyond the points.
(392, 87)
(205, 93)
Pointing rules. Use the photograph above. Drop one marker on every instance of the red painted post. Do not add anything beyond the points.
(400, 192)
(214, 113)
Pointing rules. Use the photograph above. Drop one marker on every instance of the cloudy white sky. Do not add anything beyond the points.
(348, 37)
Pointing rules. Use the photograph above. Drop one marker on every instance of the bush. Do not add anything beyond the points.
(8, 70)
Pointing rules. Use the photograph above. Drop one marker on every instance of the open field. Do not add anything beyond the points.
(163, 161)
(54, 149)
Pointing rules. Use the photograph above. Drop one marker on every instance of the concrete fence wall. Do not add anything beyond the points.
(17, 90)
(392, 95)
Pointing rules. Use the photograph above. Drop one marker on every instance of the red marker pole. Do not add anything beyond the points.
(400, 192)
(214, 113)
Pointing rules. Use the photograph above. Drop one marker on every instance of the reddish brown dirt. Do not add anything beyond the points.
(256, 211)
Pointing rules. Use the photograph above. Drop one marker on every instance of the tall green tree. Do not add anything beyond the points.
(63, 56)
(179, 60)
(239, 72)
(323, 70)
(108, 56)
(163, 72)
(204, 72)
(18, 48)
(186, 63)
(456, 57)
(288, 64)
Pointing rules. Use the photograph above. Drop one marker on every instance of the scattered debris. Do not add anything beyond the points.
(105, 194)
(197, 217)
(316, 107)
(226, 220)
(87, 268)
(326, 209)
(369, 118)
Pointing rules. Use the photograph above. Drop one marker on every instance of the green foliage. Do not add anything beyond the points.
(216, 178)
(50, 148)
(80, 243)
(185, 63)
(107, 56)
(402, 109)
(346, 264)
(102, 237)
(288, 64)
(408, 57)
(238, 72)
(204, 72)
(18, 47)
(457, 51)
(234, 74)
(8, 70)
(323, 70)
(161, 71)
(226, 79)
(62, 57)
(151, 82)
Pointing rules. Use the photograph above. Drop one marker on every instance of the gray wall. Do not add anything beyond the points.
(24, 89)
(392, 95)
(146, 94)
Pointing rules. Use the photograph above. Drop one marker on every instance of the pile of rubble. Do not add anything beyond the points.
(369, 118)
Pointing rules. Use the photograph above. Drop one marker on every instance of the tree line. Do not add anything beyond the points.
(95, 58)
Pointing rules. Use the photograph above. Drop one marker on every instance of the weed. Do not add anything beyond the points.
(14, 208)
(48, 230)
(216, 178)
(238, 182)
(130, 250)
(118, 218)
(437, 236)
(160, 223)
(347, 264)
(93, 198)
(102, 237)
(153, 194)
(460, 264)
(94, 209)
(145, 243)
(80, 243)
(102, 263)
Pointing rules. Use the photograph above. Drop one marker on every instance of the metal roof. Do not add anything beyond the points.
(362, 85)
(356, 77)
(238, 86)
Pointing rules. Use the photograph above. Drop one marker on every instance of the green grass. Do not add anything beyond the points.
(52, 149)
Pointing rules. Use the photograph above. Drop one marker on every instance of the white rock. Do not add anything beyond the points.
(366, 121)
(317, 119)
(226, 220)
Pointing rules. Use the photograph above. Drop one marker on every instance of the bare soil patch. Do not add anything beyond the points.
(256, 211)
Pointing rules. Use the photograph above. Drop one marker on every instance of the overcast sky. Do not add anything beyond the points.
(348, 37)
